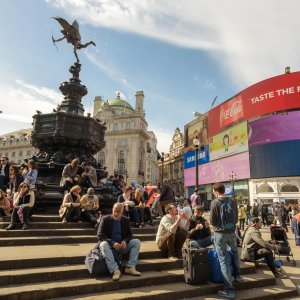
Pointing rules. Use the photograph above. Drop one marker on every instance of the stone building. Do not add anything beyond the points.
(171, 164)
(130, 149)
(17, 146)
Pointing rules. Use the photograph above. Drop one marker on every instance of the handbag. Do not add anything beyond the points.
(95, 262)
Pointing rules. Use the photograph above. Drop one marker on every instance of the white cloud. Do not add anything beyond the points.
(109, 69)
(250, 40)
(20, 100)
(164, 139)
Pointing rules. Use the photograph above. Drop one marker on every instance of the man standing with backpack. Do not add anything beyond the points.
(224, 216)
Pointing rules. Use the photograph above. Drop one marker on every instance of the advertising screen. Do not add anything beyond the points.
(271, 95)
(219, 170)
(190, 161)
(275, 159)
(275, 128)
(198, 130)
(229, 142)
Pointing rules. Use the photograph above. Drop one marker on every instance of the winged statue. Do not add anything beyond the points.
(72, 35)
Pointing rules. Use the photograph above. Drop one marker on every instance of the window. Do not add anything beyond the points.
(265, 188)
(101, 158)
(289, 188)
(20, 153)
(121, 162)
(128, 125)
(116, 127)
(13, 154)
(28, 152)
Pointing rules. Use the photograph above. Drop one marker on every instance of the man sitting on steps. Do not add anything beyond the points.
(254, 247)
(114, 233)
(172, 232)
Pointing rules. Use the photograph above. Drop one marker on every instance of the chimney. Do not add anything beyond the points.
(139, 102)
(97, 104)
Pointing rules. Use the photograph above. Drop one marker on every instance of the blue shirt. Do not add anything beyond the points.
(116, 234)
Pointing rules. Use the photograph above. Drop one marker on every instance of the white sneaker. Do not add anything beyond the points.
(116, 275)
(132, 271)
(173, 258)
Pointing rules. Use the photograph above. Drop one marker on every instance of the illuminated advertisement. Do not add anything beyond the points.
(275, 159)
(190, 161)
(275, 128)
(198, 130)
(271, 95)
(219, 170)
(229, 142)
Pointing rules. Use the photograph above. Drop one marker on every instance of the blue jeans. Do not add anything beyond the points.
(133, 247)
(222, 241)
(202, 243)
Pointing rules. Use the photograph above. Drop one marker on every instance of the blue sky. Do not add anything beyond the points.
(181, 53)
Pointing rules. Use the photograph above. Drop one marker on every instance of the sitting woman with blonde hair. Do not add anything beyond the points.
(144, 211)
(89, 206)
(70, 208)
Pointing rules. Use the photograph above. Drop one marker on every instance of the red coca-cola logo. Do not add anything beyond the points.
(231, 111)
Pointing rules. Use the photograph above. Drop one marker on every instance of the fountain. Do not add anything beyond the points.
(66, 133)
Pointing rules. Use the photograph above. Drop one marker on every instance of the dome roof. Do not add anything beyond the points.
(118, 102)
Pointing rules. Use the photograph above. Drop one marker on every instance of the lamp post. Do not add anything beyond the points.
(162, 167)
(196, 144)
(232, 178)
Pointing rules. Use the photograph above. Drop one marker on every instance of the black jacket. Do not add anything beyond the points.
(6, 172)
(166, 193)
(105, 230)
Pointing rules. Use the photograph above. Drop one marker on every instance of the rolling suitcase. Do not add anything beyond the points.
(195, 265)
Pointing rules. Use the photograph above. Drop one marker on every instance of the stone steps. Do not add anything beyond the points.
(46, 262)
(67, 272)
(64, 239)
(123, 289)
(62, 232)
(40, 256)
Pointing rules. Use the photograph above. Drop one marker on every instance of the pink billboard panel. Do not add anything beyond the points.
(219, 170)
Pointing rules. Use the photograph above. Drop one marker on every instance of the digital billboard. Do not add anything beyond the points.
(275, 128)
(275, 159)
(229, 142)
(271, 95)
(219, 170)
(196, 130)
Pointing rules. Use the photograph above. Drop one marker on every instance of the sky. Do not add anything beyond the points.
(181, 53)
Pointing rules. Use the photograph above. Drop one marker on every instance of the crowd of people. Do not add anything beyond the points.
(17, 184)
(178, 226)
(186, 226)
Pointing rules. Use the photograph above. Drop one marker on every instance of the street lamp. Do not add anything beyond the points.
(196, 144)
(232, 177)
(162, 167)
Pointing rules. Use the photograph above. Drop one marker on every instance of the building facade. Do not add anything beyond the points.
(253, 143)
(171, 164)
(17, 146)
(127, 139)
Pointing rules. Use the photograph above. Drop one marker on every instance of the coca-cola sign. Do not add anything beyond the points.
(231, 111)
(275, 94)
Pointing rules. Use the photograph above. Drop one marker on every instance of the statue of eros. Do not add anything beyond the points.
(72, 35)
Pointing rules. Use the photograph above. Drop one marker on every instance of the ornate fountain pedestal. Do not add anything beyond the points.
(65, 134)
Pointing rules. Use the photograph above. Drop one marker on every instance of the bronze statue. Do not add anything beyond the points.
(71, 33)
